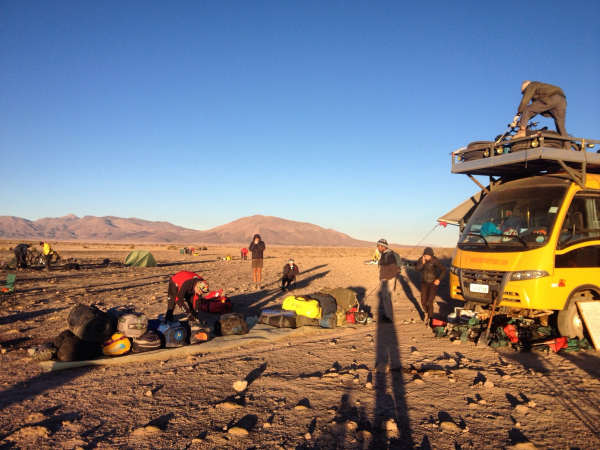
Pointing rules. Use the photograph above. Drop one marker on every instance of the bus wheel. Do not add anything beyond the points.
(569, 321)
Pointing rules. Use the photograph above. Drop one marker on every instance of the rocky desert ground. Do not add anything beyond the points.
(377, 386)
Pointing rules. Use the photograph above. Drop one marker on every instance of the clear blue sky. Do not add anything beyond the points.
(342, 114)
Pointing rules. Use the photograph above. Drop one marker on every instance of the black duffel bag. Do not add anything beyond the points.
(71, 348)
(91, 324)
(327, 302)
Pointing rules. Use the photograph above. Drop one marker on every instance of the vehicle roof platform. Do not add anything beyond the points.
(528, 162)
(503, 161)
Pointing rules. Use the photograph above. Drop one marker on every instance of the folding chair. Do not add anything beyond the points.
(9, 287)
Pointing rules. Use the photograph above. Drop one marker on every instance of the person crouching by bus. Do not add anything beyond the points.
(290, 270)
(184, 288)
(432, 272)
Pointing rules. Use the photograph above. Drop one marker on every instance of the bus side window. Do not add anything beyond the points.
(582, 257)
(582, 221)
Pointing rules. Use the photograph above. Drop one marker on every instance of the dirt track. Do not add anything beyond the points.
(336, 390)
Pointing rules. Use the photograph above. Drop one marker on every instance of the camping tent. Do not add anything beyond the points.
(140, 258)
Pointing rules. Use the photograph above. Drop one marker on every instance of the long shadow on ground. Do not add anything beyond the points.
(410, 295)
(252, 303)
(37, 385)
(23, 316)
(390, 401)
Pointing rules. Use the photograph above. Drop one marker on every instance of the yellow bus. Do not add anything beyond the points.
(530, 241)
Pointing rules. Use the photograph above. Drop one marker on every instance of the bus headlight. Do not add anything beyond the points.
(528, 275)
(455, 270)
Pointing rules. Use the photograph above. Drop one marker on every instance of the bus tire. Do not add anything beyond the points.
(569, 321)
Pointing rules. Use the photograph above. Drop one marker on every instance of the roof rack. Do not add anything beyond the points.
(529, 156)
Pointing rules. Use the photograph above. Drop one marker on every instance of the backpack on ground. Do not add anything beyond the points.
(174, 334)
(329, 320)
(90, 324)
(200, 331)
(232, 323)
(117, 345)
(70, 348)
(148, 341)
(302, 306)
(133, 324)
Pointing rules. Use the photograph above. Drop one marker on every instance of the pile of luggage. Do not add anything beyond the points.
(509, 144)
(522, 334)
(328, 308)
(92, 332)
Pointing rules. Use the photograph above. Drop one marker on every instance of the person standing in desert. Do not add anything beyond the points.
(388, 271)
(432, 272)
(257, 247)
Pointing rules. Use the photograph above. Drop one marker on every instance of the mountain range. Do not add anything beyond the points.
(273, 230)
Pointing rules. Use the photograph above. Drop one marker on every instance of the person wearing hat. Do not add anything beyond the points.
(185, 288)
(290, 270)
(547, 100)
(432, 272)
(388, 271)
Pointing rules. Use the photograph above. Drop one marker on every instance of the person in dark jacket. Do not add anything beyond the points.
(257, 247)
(432, 272)
(20, 252)
(547, 100)
(290, 270)
(184, 288)
(388, 271)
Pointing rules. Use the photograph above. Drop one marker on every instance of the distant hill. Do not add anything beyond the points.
(273, 230)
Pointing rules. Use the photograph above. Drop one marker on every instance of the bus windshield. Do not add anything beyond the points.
(513, 219)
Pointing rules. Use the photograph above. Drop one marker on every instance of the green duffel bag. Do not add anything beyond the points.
(345, 298)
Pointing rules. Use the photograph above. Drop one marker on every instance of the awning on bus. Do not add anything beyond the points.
(462, 211)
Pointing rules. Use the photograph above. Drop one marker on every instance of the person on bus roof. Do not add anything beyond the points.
(547, 100)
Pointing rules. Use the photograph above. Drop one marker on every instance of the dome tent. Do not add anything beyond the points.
(140, 258)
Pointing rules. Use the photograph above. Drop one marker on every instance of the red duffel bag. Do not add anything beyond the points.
(214, 302)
